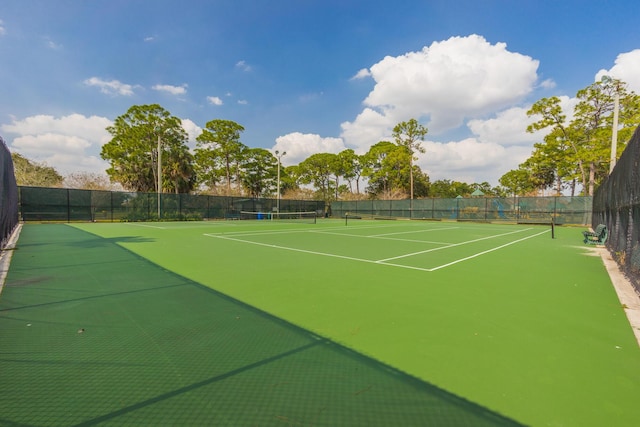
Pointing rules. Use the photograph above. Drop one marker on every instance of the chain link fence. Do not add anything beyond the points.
(64, 204)
(616, 204)
(8, 195)
(559, 210)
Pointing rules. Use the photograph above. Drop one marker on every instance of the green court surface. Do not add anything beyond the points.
(264, 323)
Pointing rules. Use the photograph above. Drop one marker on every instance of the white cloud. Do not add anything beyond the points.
(92, 128)
(450, 83)
(508, 127)
(242, 65)
(3, 31)
(548, 84)
(69, 144)
(363, 73)
(173, 90)
(243, 102)
(499, 144)
(193, 130)
(48, 144)
(446, 82)
(470, 160)
(626, 68)
(368, 128)
(149, 38)
(299, 146)
(214, 100)
(111, 87)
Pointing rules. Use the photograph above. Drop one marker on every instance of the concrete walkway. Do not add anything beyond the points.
(627, 295)
(6, 253)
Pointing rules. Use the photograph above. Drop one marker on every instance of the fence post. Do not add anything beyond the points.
(486, 207)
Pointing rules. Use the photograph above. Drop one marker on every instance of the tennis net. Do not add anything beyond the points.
(304, 217)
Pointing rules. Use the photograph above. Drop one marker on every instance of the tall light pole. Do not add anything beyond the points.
(614, 127)
(279, 156)
(614, 131)
(159, 169)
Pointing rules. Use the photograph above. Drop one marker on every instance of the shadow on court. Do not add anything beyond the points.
(92, 334)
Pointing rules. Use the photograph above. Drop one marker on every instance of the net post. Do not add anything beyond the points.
(553, 228)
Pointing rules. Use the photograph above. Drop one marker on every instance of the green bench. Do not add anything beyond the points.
(597, 236)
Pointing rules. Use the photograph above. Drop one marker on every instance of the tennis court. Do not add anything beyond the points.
(328, 323)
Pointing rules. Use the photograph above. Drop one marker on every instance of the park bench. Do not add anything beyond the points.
(597, 236)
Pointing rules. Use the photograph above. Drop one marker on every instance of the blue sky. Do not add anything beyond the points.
(306, 76)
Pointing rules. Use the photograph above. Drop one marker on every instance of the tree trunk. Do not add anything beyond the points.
(411, 174)
(592, 178)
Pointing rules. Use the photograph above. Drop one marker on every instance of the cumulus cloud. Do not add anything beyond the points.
(110, 87)
(470, 160)
(299, 146)
(369, 127)
(3, 31)
(446, 82)
(173, 90)
(499, 144)
(92, 128)
(70, 143)
(626, 68)
(214, 100)
(508, 127)
(193, 130)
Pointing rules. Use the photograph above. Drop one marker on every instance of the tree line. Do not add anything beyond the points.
(222, 164)
(575, 151)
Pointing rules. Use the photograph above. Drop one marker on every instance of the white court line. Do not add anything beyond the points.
(396, 239)
(297, 230)
(326, 231)
(487, 251)
(381, 238)
(414, 231)
(383, 262)
(135, 224)
(268, 245)
(451, 245)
